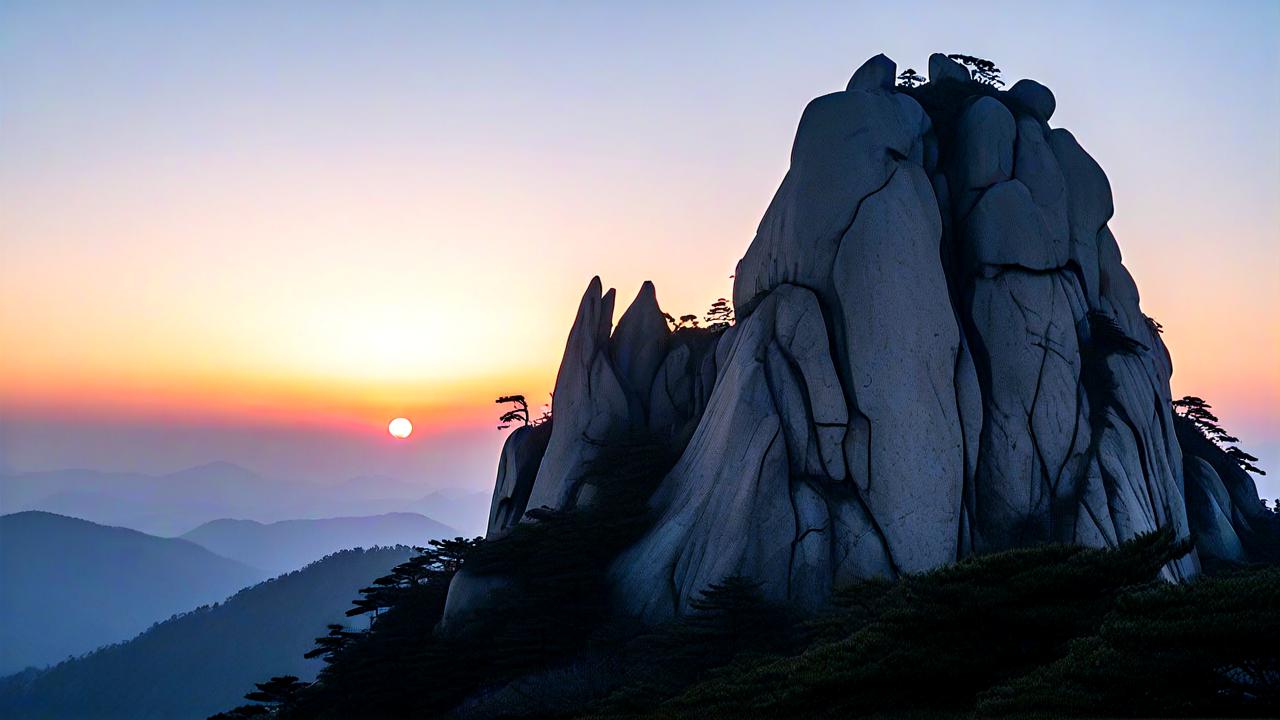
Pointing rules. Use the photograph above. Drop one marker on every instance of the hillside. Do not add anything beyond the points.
(287, 545)
(192, 665)
(71, 585)
(928, 462)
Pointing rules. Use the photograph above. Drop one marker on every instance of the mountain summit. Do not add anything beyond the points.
(938, 352)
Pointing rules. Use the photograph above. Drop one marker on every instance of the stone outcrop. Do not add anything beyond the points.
(613, 383)
(938, 352)
(773, 425)
(591, 404)
(1229, 524)
(517, 469)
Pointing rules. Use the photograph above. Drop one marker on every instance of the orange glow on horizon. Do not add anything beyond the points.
(406, 229)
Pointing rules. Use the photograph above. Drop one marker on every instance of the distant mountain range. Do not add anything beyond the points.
(287, 545)
(205, 660)
(172, 504)
(68, 586)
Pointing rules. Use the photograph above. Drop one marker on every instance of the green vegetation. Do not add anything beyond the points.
(553, 608)
(719, 316)
(933, 642)
(1199, 414)
(1057, 630)
(204, 660)
(983, 70)
(1200, 649)
(1054, 628)
(519, 413)
(1052, 631)
(730, 621)
(909, 78)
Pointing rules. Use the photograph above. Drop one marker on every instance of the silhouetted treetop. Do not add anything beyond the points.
(1199, 413)
(519, 413)
(720, 314)
(984, 71)
(909, 78)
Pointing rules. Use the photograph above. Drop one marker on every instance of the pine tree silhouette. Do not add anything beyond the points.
(910, 78)
(1200, 414)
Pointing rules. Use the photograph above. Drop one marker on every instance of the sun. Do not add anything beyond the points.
(400, 428)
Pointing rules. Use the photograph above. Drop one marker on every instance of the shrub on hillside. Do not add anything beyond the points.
(1208, 648)
(932, 642)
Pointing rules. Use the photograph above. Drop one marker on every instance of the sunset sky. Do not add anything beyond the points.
(241, 231)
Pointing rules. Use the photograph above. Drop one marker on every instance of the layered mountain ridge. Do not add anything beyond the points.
(937, 352)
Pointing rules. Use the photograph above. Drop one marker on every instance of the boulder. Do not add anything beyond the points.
(844, 150)
(1036, 167)
(942, 68)
(1089, 205)
(1006, 229)
(1209, 512)
(878, 73)
(983, 153)
(471, 594)
(1037, 98)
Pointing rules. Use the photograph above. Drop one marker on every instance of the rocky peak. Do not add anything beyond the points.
(938, 352)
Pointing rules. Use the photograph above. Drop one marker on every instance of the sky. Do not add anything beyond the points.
(257, 231)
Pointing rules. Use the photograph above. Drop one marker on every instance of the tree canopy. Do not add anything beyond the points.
(1200, 414)
(984, 71)
(909, 78)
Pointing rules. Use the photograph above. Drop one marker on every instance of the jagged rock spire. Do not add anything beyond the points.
(589, 405)
(639, 346)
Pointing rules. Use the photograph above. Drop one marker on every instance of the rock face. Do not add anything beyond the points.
(1229, 523)
(938, 352)
(517, 469)
(636, 378)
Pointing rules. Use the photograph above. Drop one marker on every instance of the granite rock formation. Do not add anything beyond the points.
(938, 352)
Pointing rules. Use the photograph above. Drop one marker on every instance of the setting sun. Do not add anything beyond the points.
(400, 428)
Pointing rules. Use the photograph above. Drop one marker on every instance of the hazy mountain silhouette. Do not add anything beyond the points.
(70, 585)
(466, 510)
(155, 504)
(204, 660)
(172, 504)
(279, 547)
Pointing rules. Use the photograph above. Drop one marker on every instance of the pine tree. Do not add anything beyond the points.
(337, 639)
(984, 71)
(519, 412)
(910, 78)
(720, 315)
(279, 690)
(1200, 414)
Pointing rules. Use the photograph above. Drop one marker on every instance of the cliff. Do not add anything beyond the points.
(937, 352)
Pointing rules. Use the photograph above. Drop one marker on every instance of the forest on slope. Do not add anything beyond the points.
(71, 585)
(200, 661)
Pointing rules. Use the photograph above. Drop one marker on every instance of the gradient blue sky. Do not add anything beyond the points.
(254, 231)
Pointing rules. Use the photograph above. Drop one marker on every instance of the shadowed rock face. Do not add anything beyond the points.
(517, 469)
(919, 369)
(639, 377)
